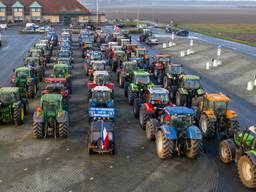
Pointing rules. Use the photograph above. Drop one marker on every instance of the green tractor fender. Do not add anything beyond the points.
(133, 87)
(200, 91)
(17, 104)
(252, 155)
(150, 85)
(62, 117)
(169, 76)
(30, 81)
(183, 91)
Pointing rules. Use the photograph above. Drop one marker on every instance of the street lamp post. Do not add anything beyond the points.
(97, 5)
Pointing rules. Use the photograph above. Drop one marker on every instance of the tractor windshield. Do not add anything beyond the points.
(162, 98)
(101, 96)
(142, 52)
(130, 68)
(98, 66)
(101, 79)
(8, 98)
(192, 84)
(51, 106)
(22, 74)
(55, 87)
(175, 70)
(35, 54)
(60, 72)
(64, 54)
(96, 56)
(142, 79)
(220, 107)
(180, 122)
(165, 60)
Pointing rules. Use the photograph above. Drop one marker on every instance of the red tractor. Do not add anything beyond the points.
(156, 99)
(100, 78)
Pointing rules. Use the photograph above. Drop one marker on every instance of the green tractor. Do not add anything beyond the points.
(118, 59)
(140, 82)
(36, 66)
(24, 78)
(12, 107)
(124, 73)
(50, 118)
(63, 71)
(171, 75)
(38, 53)
(189, 91)
(242, 150)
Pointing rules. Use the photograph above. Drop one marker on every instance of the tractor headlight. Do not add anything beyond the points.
(110, 136)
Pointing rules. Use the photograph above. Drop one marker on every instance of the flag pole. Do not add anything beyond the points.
(97, 2)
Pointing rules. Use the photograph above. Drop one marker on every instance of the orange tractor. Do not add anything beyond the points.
(142, 52)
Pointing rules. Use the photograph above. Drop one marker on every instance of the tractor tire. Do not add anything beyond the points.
(117, 76)
(18, 115)
(247, 171)
(207, 127)
(26, 108)
(151, 126)
(165, 148)
(160, 78)
(143, 117)
(227, 150)
(166, 82)
(194, 148)
(136, 107)
(179, 99)
(121, 82)
(131, 97)
(233, 126)
(38, 130)
(31, 91)
(63, 130)
(126, 85)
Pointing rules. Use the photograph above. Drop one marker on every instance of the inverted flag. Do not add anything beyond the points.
(104, 137)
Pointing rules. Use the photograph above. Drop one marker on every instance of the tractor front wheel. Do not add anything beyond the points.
(126, 85)
(136, 107)
(194, 147)
(151, 126)
(165, 148)
(166, 82)
(31, 91)
(160, 78)
(207, 127)
(18, 115)
(63, 130)
(131, 97)
(227, 150)
(38, 130)
(180, 99)
(143, 117)
(247, 171)
(121, 81)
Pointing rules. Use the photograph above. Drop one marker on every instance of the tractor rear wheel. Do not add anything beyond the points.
(160, 78)
(18, 115)
(143, 117)
(207, 127)
(233, 126)
(136, 107)
(180, 99)
(38, 130)
(131, 97)
(151, 126)
(63, 130)
(121, 81)
(126, 85)
(227, 150)
(247, 171)
(166, 82)
(194, 148)
(165, 148)
(31, 91)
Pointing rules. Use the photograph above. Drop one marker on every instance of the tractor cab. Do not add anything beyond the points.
(117, 48)
(102, 97)
(61, 71)
(125, 42)
(157, 96)
(142, 52)
(101, 78)
(140, 62)
(56, 86)
(162, 61)
(141, 77)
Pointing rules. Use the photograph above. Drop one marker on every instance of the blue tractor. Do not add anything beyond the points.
(175, 133)
(101, 97)
(140, 63)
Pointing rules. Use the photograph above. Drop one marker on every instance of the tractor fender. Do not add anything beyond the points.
(210, 114)
(149, 108)
(183, 91)
(169, 75)
(150, 85)
(62, 117)
(91, 85)
(193, 132)
(38, 117)
(110, 85)
(169, 132)
(200, 91)
(252, 155)
(231, 114)
(18, 103)
(133, 87)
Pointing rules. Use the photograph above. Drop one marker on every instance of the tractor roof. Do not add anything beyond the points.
(125, 39)
(217, 97)
(179, 111)
(141, 72)
(190, 77)
(19, 69)
(51, 97)
(176, 65)
(130, 63)
(136, 58)
(55, 80)
(98, 62)
(60, 66)
(101, 88)
(100, 73)
(119, 51)
(141, 48)
(9, 90)
(164, 56)
(158, 90)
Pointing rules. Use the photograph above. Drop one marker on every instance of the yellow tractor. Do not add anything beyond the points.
(215, 118)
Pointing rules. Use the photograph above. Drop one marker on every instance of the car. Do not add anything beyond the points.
(182, 33)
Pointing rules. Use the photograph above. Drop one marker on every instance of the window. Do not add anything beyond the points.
(2, 9)
(35, 18)
(35, 9)
(17, 9)
(17, 19)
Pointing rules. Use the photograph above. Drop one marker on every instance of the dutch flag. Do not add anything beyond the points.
(104, 137)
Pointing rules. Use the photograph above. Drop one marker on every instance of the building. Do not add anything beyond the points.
(54, 11)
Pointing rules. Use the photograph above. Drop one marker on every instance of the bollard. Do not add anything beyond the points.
(254, 80)
(164, 45)
(208, 66)
(219, 62)
(171, 44)
(215, 63)
(172, 36)
(182, 53)
(250, 86)
(188, 51)
(191, 43)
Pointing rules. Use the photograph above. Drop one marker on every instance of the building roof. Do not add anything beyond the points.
(35, 5)
(49, 7)
(2, 5)
(17, 4)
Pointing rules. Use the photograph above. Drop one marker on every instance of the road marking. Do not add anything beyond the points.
(25, 169)
(5, 48)
(91, 178)
(1, 181)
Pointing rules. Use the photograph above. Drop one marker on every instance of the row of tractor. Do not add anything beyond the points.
(180, 113)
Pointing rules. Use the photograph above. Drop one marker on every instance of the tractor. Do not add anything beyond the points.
(124, 42)
(171, 75)
(63, 71)
(130, 50)
(13, 108)
(57, 86)
(101, 97)
(25, 79)
(38, 53)
(101, 135)
(100, 78)
(124, 73)
(154, 101)
(242, 150)
(146, 33)
(136, 89)
(44, 49)
(36, 66)
(188, 92)
(117, 60)
(142, 52)
(50, 118)
(214, 117)
(140, 63)
(95, 66)
(175, 133)
(159, 65)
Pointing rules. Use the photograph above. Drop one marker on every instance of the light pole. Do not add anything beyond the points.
(97, 8)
